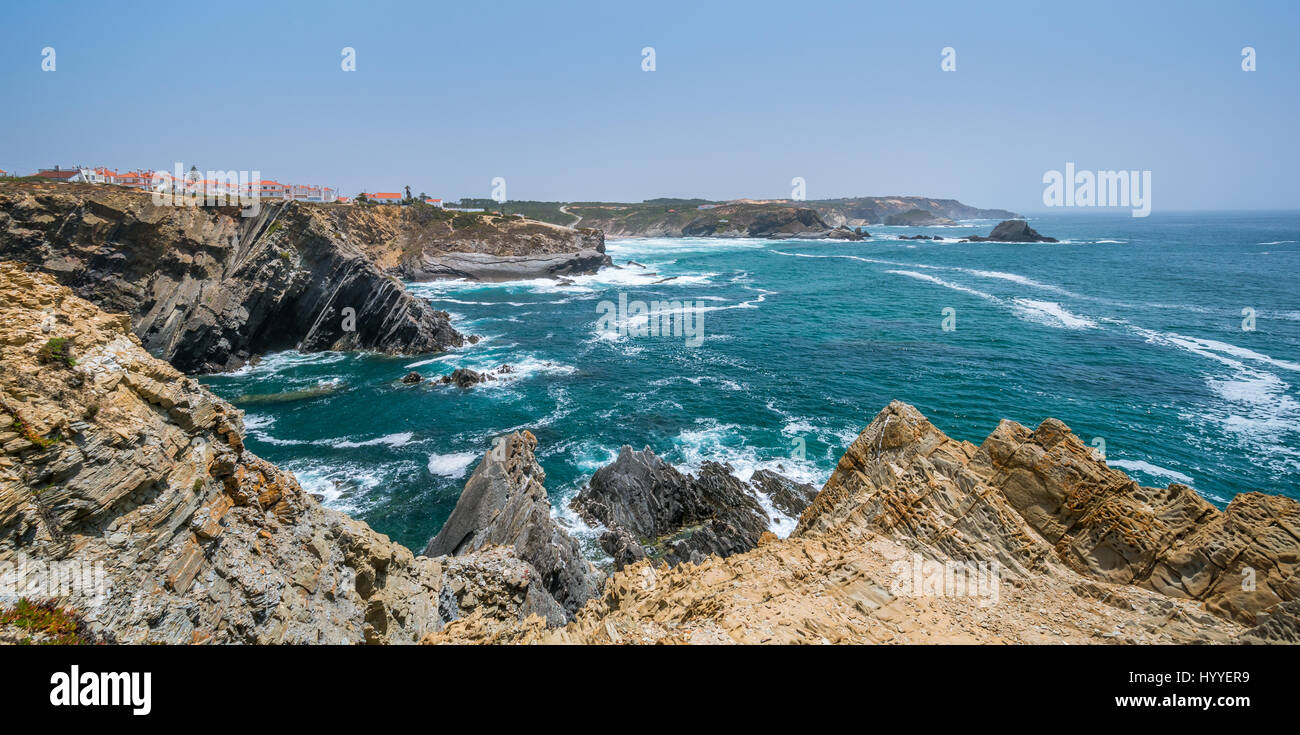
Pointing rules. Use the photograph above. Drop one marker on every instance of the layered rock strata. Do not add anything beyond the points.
(130, 483)
(208, 289)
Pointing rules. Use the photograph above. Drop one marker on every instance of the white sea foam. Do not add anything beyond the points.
(725, 443)
(1052, 314)
(1016, 278)
(391, 440)
(1138, 465)
(451, 465)
(276, 362)
(946, 284)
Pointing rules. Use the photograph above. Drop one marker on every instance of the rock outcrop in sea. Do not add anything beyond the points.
(650, 510)
(120, 472)
(504, 503)
(207, 289)
(1012, 230)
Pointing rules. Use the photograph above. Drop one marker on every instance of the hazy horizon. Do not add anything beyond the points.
(849, 97)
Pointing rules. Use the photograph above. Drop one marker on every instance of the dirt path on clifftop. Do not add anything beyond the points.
(574, 224)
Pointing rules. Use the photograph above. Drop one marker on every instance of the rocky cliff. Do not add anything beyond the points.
(916, 538)
(878, 210)
(132, 480)
(421, 242)
(207, 289)
(670, 217)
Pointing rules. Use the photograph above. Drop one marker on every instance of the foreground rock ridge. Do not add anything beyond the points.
(1082, 554)
(114, 462)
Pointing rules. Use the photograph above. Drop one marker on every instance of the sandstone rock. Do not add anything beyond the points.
(504, 503)
(136, 470)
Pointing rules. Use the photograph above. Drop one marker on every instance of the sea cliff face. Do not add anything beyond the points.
(207, 289)
(424, 243)
(810, 219)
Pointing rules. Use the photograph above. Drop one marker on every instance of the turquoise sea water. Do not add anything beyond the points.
(1130, 331)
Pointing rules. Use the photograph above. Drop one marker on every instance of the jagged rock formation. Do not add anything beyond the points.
(651, 510)
(788, 496)
(1034, 500)
(1075, 552)
(112, 460)
(422, 242)
(504, 503)
(1012, 230)
(206, 288)
(916, 218)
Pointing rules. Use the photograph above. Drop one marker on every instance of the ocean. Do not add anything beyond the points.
(1171, 342)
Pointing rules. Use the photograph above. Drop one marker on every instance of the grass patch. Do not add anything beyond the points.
(45, 623)
(57, 350)
(22, 427)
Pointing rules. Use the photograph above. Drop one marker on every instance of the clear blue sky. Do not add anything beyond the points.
(746, 96)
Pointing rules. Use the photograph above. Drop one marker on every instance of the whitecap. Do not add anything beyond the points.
(1138, 465)
(454, 465)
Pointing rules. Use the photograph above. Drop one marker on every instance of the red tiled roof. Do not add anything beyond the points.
(57, 174)
(385, 195)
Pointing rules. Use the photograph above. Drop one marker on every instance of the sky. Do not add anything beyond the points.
(744, 96)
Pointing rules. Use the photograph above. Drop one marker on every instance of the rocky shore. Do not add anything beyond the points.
(112, 459)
